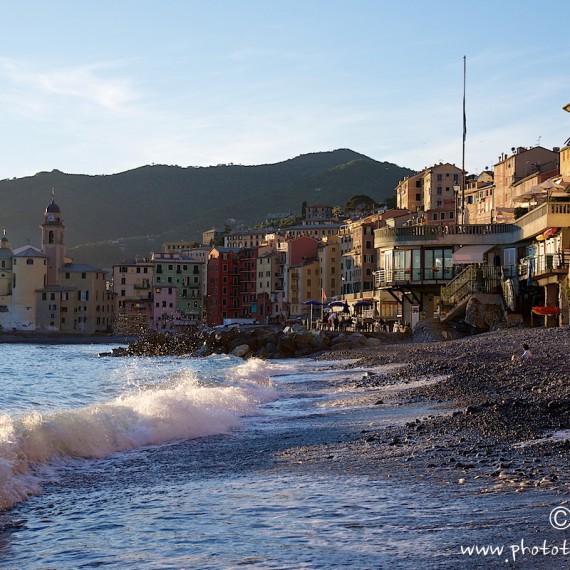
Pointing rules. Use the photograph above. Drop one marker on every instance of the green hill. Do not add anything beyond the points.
(112, 217)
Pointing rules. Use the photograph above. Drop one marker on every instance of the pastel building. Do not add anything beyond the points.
(42, 290)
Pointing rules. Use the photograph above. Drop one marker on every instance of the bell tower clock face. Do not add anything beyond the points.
(51, 218)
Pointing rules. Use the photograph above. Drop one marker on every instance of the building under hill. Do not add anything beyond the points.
(42, 290)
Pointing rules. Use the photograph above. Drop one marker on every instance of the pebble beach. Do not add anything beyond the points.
(493, 422)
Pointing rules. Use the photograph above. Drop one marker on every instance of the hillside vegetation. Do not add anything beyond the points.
(113, 217)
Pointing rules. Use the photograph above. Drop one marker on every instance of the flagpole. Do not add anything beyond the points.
(463, 147)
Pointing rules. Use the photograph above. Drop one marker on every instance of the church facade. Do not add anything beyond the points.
(42, 290)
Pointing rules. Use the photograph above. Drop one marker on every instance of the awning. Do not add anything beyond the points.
(470, 254)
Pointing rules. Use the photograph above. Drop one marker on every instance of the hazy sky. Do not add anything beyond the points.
(103, 86)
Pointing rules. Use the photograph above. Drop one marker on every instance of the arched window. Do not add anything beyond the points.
(51, 237)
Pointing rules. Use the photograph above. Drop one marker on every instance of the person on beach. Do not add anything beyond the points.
(525, 355)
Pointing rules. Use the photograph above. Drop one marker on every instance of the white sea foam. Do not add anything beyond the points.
(184, 409)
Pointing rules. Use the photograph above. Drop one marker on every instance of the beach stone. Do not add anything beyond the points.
(241, 350)
(434, 330)
(485, 312)
(338, 338)
(356, 339)
(373, 342)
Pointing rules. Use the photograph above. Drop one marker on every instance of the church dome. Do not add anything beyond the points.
(53, 208)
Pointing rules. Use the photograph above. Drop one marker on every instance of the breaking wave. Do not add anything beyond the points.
(185, 408)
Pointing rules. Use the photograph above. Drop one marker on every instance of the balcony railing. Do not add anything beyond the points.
(547, 215)
(538, 265)
(460, 234)
(385, 277)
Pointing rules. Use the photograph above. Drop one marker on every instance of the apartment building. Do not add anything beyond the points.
(330, 259)
(133, 286)
(520, 164)
(185, 273)
(269, 286)
(223, 299)
(434, 191)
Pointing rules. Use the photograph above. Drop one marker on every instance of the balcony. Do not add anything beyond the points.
(467, 234)
(433, 275)
(539, 266)
(547, 215)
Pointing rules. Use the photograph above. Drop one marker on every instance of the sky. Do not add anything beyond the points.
(100, 87)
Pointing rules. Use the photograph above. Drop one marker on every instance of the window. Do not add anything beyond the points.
(439, 190)
(442, 216)
(418, 197)
(29, 261)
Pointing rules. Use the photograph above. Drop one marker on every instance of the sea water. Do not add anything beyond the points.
(173, 462)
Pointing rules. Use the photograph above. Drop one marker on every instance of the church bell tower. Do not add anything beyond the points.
(53, 245)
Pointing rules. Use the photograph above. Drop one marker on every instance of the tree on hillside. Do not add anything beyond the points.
(360, 203)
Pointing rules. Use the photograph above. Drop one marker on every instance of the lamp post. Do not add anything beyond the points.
(456, 190)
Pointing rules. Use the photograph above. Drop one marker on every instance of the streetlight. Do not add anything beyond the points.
(456, 190)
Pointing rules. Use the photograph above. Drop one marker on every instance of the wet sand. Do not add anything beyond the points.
(489, 434)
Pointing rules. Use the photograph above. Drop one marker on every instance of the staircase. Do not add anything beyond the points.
(473, 279)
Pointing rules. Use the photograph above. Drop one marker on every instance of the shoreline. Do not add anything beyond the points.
(57, 338)
(494, 420)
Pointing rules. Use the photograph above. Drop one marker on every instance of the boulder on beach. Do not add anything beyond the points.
(241, 350)
(434, 330)
(484, 312)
